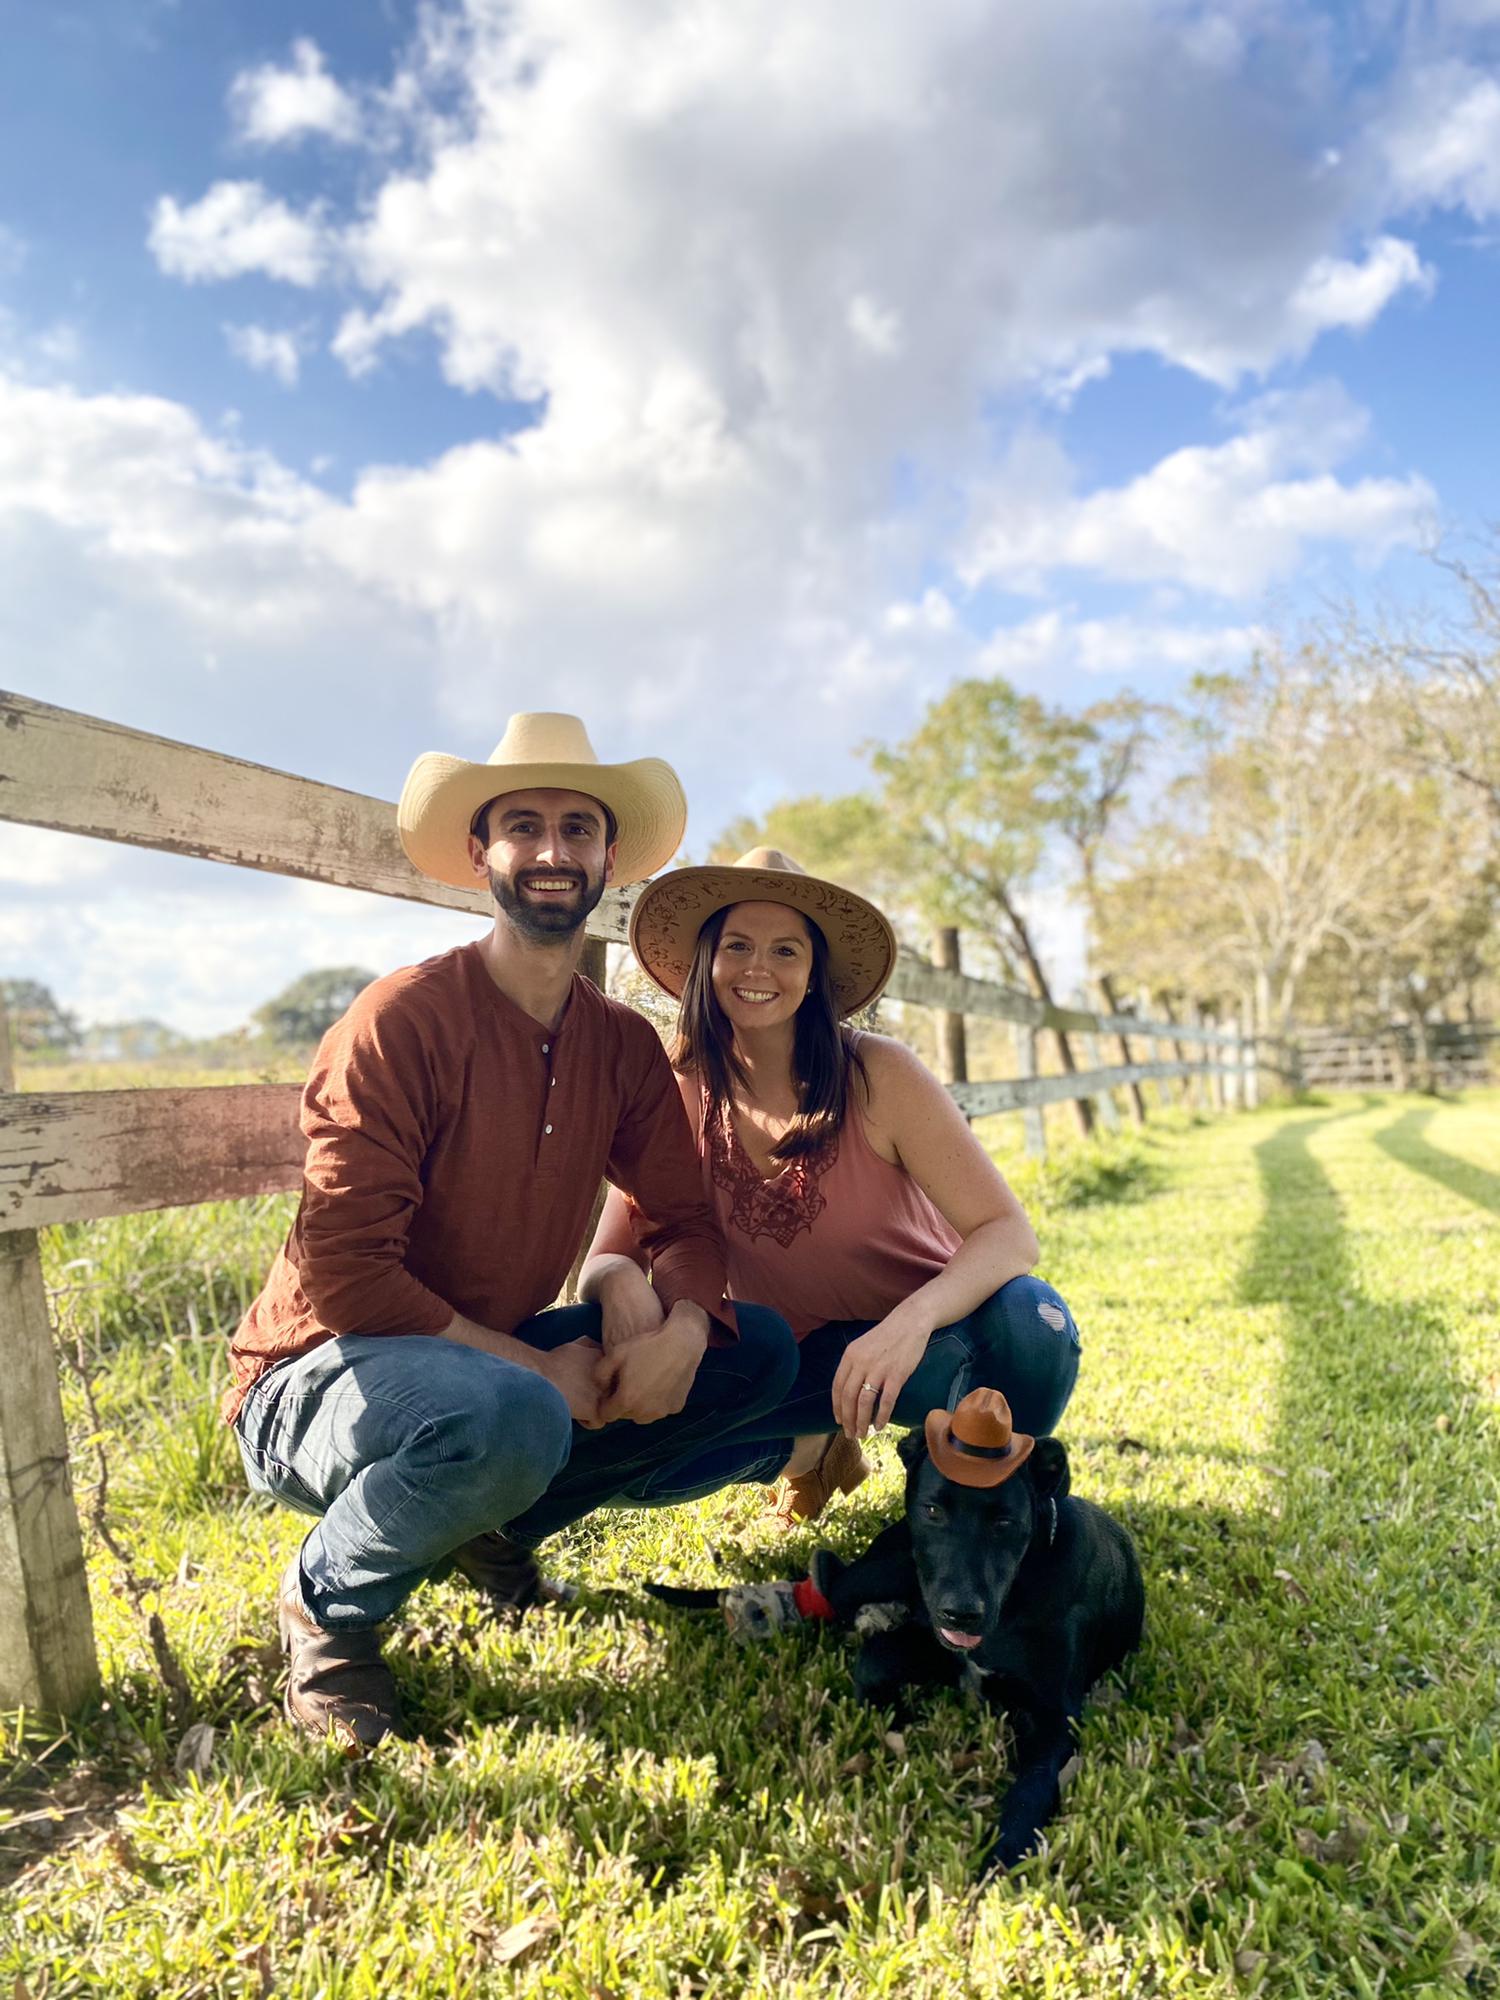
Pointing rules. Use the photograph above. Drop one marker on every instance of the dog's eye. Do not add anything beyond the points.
(931, 1511)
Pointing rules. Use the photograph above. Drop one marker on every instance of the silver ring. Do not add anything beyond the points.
(869, 1390)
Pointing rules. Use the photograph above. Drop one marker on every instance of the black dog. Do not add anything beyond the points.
(1018, 1587)
(997, 1577)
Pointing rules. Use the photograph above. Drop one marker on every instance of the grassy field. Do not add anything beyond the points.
(1289, 1393)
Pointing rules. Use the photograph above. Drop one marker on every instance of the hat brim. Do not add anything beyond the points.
(442, 794)
(962, 1467)
(667, 918)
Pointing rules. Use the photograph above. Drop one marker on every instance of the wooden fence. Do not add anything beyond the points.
(78, 1156)
(1401, 1055)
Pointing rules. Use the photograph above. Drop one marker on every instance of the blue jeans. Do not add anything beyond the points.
(1022, 1341)
(407, 1446)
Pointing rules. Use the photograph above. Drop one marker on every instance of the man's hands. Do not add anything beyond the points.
(575, 1370)
(642, 1371)
(875, 1370)
(649, 1376)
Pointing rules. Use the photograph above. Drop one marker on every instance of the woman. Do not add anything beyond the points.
(855, 1200)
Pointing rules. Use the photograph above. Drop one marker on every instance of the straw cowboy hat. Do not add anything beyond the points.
(974, 1445)
(442, 794)
(667, 918)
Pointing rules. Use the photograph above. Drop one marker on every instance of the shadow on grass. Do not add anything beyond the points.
(1404, 1142)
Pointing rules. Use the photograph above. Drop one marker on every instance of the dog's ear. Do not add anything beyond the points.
(1048, 1466)
(911, 1447)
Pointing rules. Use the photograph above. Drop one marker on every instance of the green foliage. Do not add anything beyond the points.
(38, 1025)
(1295, 1791)
(304, 1012)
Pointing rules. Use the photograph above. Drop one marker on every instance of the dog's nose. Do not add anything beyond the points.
(963, 1617)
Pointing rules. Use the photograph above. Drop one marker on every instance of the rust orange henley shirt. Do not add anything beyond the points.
(454, 1148)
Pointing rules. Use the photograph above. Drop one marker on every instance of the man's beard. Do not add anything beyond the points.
(546, 923)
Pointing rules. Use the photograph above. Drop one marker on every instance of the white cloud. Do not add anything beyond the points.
(1229, 518)
(236, 228)
(277, 107)
(267, 350)
(1037, 649)
(1442, 140)
(1335, 292)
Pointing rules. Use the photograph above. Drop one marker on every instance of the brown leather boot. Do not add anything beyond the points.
(335, 1680)
(506, 1573)
(841, 1467)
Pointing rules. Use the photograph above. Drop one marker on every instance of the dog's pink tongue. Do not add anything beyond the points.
(964, 1639)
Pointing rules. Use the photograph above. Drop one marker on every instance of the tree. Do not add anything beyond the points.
(37, 1022)
(1292, 848)
(308, 1008)
(959, 828)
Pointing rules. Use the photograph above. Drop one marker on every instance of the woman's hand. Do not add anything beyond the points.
(628, 1305)
(874, 1371)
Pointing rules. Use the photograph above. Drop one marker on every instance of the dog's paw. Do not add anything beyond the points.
(881, 1618)
(1010, 1847)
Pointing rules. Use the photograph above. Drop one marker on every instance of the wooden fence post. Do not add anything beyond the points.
(1033, 1119)
(1163, 1083)
(1250, 1053)
(952, 1040)
(1233, 1059)
(47, 1658)
(1104, 1103)
(1213, 1055)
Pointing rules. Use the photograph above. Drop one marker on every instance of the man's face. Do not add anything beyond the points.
(546, 861)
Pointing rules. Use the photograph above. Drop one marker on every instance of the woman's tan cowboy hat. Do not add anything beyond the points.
(442, 794)
(667, 918)
(975, 1445)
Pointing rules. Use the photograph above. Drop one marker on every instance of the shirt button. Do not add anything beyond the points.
(549, 1128)
(554, 1083)
(545, 1047)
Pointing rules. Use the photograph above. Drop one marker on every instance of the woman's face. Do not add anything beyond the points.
(762, 965)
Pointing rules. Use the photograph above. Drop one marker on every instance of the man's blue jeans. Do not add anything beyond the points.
(407, 1446)
(1022, 1341)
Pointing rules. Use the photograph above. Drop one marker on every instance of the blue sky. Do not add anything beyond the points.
(367, 373)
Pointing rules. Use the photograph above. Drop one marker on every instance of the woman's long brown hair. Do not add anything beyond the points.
(823, 1055)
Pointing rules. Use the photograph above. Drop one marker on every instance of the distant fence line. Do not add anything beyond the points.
(1402, 1055)
(71, 1156)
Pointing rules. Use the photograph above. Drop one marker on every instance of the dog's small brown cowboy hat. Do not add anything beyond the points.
(975, 1444)
(667, 918)
(442, 794)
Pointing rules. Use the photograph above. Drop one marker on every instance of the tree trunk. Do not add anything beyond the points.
(952, 1042)
(1083, 1111)
(1134, 1093)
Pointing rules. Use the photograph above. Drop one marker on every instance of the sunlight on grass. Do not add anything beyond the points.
(1289, 1393)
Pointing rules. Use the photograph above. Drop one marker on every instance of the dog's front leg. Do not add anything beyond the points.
(1044, 1743)
(908, 1656)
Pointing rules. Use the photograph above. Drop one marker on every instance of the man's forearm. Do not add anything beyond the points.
(469, 1333)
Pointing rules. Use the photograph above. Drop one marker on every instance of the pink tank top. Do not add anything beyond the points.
(838, 1234)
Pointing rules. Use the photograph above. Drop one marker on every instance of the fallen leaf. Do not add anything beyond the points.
(1442, 1424)
(895, 1742)
(125, 1852)
(1248, 1963)
(195, 1751)
(258, 1958)
(522, 1937)
(857, 1765)
(1123, 1443)
(1069, 1772)
(1293, 1588)
(966, 1760)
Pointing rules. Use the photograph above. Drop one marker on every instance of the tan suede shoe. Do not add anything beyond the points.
(840, 1468)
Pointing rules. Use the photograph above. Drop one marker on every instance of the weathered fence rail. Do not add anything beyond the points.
(1432, 1055)
(79, 1156)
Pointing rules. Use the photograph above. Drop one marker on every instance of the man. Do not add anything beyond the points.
(397, 1376)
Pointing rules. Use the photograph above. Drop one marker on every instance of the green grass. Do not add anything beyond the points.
(1289, 1393)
